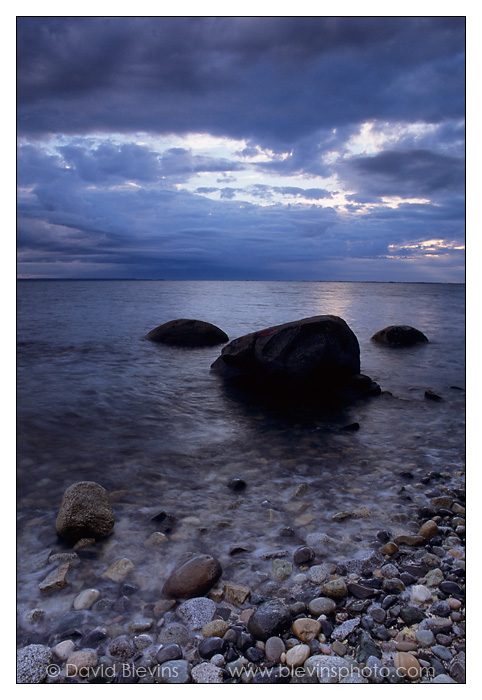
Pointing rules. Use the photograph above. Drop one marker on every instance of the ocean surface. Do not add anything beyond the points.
(97, 401)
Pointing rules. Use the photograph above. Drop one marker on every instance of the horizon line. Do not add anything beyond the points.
(194, 279)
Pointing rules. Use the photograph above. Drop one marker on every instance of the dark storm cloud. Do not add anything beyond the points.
(271, 79)
(414, 173)
(100, 194)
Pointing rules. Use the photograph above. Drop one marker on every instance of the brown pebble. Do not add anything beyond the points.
(163, 606)
(235, 594)
(428, 530)
(441, 501)
(56, 580)
(246, 614)
(408, 665)
(338, 648)
(409, 540)
(80, 662)
(306, 628)
(389, 548)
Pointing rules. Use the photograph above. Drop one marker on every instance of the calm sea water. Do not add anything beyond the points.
(96, 401)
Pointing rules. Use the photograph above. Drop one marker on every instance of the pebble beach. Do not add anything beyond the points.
(396, 615)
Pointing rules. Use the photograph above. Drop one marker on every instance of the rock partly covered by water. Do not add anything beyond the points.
(194, 577)
(85, 511)
(188, 332)
(319, 354)
(398, 336)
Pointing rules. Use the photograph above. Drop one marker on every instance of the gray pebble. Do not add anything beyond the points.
(318, 573)
(321, 606)
(389, 571)
(32, 663)
(174, 634)
(425, 637)
(329, 669)
(274, 648)
(346, 628)
(378, 614)
(174, 672)
(443, 678)
(197, 612)
(442, 652)
(143, 641)
(374, 669)
(207, 673)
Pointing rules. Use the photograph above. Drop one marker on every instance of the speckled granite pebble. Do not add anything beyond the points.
(32, 663)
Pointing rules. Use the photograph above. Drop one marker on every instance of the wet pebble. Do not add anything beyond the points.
(207, 673)
(32, 663)
(64, 649)
(271, 618)
(451, 588)
(442, 652)
(211, 646)
(254, 654)
(345, 629)
(335, 588)
(119, 570)
(303, 555)
(297, 655)
(321, 606)
(407, 665)
(197, 612)
(171, 652)
(174, 634)
(178, 672)
(274, 648)
(329, 669)
(441, 609)
(306, 628)
(121, 648)
(425, 638)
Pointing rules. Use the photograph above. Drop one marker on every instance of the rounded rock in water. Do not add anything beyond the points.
(85, 512)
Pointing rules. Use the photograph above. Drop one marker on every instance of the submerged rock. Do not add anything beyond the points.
(319, 355)
(56, 580)
(188, 333)
(399, 336)
(85, 511)
(194, 577)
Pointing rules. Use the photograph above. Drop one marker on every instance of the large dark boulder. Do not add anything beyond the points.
(85, 511)
(194, 577)
(316, 355)
(188, 333)
(399, 336)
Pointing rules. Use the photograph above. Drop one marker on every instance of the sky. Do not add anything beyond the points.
(274, 148)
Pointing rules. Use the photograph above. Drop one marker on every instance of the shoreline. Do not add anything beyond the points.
(395, 616)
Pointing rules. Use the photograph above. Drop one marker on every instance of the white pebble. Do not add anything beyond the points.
(86, 598)
(420, 594)
(64, 649)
